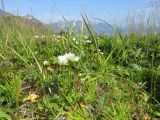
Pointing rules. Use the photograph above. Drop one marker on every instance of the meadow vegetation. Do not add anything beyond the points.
(102, 78)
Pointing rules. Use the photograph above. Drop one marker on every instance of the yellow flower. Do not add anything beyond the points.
(50, 69)
(31, 97)
(36, 36)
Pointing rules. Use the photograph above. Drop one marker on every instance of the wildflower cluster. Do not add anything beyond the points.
(63, 59)
(40, 37)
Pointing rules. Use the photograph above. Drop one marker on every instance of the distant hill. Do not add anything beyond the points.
(18, 22)
(60, 25)
(30, 17)
(96, 27)
(28, 21)
(3, 13)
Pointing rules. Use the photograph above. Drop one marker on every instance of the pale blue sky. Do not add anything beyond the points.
(51, 10)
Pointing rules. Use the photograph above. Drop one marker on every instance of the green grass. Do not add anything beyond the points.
(107, 83)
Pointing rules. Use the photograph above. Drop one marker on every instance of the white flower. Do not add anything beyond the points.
(62, 60)
(101, 53)
(71, 57)
(87, 41)
(45, 62)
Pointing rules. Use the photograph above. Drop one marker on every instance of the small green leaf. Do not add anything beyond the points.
(4, 116)
(158, 114)
(40, 106)
(136, 67)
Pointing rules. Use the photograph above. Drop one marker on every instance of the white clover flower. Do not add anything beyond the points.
(62, 60)
(45, 62)
(71, 57)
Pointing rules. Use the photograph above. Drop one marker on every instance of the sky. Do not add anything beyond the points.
(53, 10)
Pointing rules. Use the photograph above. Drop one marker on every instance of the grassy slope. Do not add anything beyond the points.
(103, 84)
